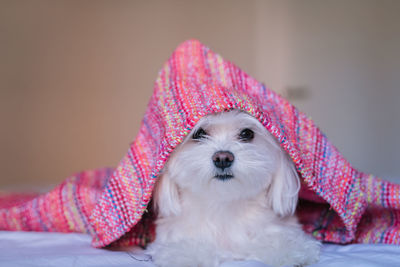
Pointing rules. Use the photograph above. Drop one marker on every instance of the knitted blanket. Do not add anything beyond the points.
(338, 203)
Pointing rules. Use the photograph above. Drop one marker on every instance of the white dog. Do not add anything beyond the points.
(228, 192)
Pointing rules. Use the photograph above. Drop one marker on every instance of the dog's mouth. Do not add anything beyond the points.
(223, 177)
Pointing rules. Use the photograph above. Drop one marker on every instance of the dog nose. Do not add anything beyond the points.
(223, 159)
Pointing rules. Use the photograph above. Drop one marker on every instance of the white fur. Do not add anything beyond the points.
(204, 221)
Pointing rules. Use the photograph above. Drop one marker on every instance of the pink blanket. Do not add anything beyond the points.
(338, 203)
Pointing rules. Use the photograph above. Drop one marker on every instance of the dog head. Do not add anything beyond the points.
(228, 156)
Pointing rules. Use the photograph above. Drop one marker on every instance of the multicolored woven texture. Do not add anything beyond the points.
(339, 204)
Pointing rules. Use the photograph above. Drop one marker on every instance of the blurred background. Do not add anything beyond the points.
(76, 76)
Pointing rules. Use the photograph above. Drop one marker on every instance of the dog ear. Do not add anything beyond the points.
(283, 192)
(166, 196)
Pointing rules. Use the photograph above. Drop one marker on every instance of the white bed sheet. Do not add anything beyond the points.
(57, 249)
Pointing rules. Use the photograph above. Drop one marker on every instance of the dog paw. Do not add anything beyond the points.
(182, 255)
(306, 254)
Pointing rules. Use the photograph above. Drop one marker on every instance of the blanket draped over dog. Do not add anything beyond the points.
(338, 203)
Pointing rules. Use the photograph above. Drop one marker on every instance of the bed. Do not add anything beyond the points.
(58, 249)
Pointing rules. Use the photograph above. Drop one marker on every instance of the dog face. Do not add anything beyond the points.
(228, 156)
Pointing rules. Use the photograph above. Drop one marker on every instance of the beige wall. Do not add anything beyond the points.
(75, 76)
(346, 53)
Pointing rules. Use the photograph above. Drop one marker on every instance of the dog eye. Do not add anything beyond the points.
(246, 135)
(200, 133)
